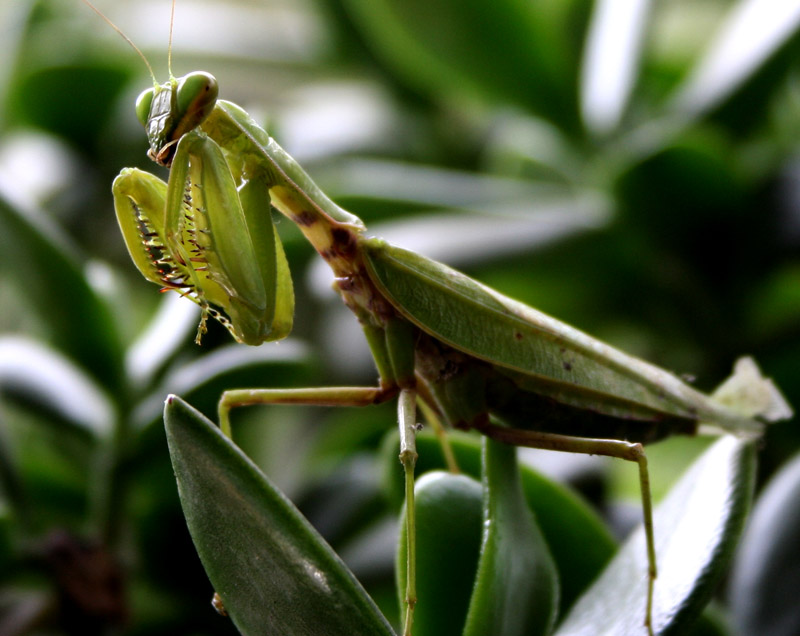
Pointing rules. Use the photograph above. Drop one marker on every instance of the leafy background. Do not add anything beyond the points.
(633, 173)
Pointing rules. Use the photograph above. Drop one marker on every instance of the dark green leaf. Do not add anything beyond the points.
(5, 534)
(230, 366)
(712, 622)
(40, 100)
(516, 588)
(12, 490)
(611, 61)
(37, 258)
(50, 383)
(751, 34)
(766, 576)
(505, 50)
(578, 540)
(696, 528)
(165, 333)
(273, 571)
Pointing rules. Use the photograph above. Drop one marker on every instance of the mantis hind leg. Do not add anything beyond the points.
(351, 396)
(620, 449)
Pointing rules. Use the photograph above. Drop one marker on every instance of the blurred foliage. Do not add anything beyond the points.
(631, 171)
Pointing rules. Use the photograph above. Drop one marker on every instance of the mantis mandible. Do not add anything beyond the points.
(475, 358)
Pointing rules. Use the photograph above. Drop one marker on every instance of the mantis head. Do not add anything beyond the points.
(170, 110)
(208, 233)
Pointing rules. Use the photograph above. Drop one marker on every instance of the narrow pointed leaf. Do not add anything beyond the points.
(167, 330)
(485, 49)
(54, 384)
(78, 320)
(273, 571)
(696, 529)
(203, 380)
(611, 61)
(516, 588)
(754, 31)
(763, 592)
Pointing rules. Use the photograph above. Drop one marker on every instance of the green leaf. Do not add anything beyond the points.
(579, 542)
(448, 516)
(50, 383)
(39, 99)
(273, 571)
(203, 380)
(696, 528)
(166, 331)
(38, 259)
(766, 576)
(505, 50)
(712, 622)
(611, 61)
(13, 495)
(6, 544)
(751, 34)
(516, 588)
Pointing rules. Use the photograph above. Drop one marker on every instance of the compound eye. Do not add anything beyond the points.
(143, 104)
(197, 95)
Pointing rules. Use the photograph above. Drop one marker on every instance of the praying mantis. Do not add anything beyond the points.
(471, 356)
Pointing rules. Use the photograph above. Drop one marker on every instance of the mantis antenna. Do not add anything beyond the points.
(171, 30)
(129, 41)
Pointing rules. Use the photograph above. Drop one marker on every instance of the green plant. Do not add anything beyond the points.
(580, 224)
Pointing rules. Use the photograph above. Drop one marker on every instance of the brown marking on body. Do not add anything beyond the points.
(344, 242)
(436, 361)
(304, 218)
(379, 306)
